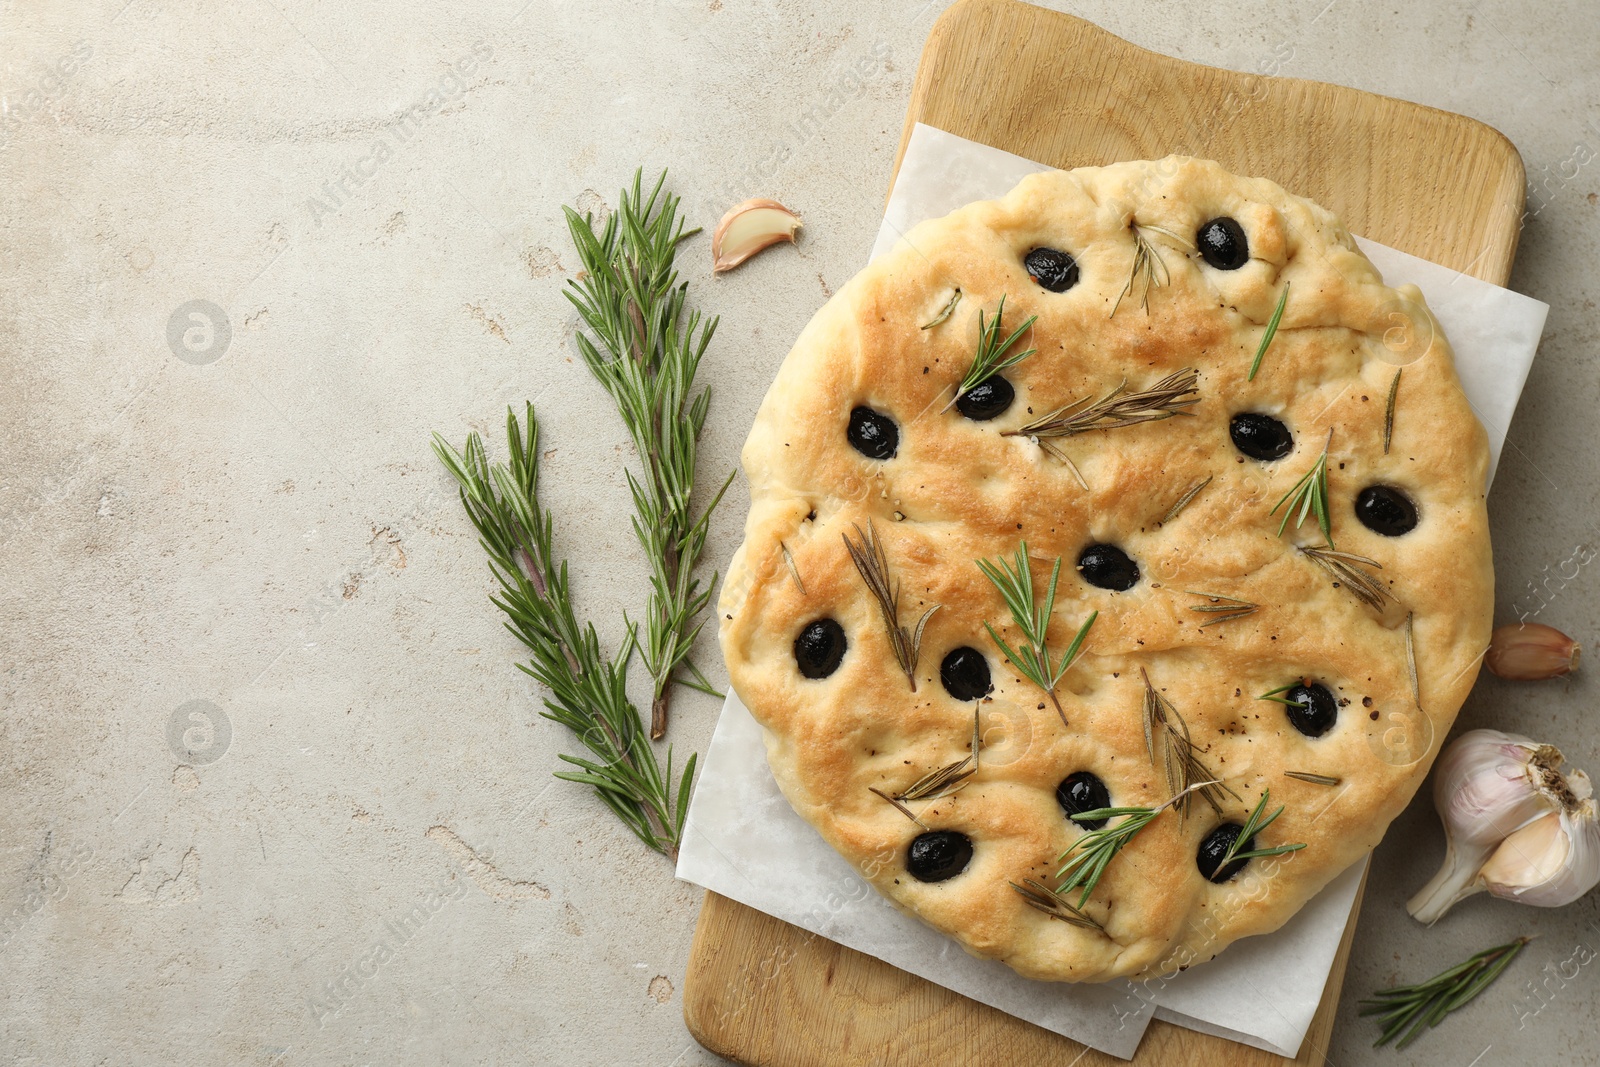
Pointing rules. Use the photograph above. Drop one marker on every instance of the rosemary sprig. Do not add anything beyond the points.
(1182, 767)
(1314, 779)
(1272, 331)
(645, 349)
(1253, 826)
(1038, 895)
(1226, 608)
(1342, 565)
(1388, 410)
(1183, 501)
(941, 782)
(588, 691)
(945, 313)
(1032, 617)
(1310, 495)
(1095, 849)
(1146, 264)
(873, 564)
(1118, 408)
(994, 351)
(1414, 1008)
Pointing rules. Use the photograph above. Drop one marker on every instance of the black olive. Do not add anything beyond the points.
(819, 648)
(1083, 792)
(1317, 711)
(1108, 567)
(965, 674)
(938, 855)
(1385, 510)
(1055, 270)
(1222, 244)
(1215, 846)
(1260, 436)
(987, 399)
(873, 433)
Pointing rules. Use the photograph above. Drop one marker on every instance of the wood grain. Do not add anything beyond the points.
(1058, 90)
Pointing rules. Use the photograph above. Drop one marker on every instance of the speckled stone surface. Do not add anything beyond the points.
(274, 792)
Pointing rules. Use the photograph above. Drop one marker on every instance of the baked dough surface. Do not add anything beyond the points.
(957, 491)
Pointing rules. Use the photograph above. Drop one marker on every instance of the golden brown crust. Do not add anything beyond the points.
(958, 491)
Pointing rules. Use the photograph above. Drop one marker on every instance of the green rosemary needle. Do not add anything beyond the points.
(588, 691)
(645, 349)
(1272, 694)
(1032, 617)
(1388, 411)
(1310, 495)
(1411, 1009)
(1272, 331)
(1253, 826)
(994, 351)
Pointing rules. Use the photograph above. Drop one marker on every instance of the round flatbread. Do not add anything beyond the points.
(1235, 638)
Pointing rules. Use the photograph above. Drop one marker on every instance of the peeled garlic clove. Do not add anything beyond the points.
(1486, 786)
(1529, 651)
(749, 227)
(1552, 861)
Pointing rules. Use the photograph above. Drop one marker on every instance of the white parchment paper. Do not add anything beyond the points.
(745, 842)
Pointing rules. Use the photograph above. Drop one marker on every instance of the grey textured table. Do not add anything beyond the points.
(368, 861)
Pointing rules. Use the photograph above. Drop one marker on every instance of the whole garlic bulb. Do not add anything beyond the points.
(1488, 786)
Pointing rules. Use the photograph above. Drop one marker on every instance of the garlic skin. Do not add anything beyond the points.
(747, 228)
(1553, 860)
(1531, 651)
(1487, 786)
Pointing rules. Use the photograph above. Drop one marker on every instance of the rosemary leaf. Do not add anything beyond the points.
(1226, 608)
(794, 571)
(1272, 331)
(992, 355)
(1253, 826)
(907, 812)
(1413, 1009)
(1314, 779)
(644, 346)
(1343, 567)
(1411, 662)
(1272, 694)
(588, 691)
(948, 310)
(1014, 580)
(1310, 495)
(1388, 411)
(1183, 501)
(873, 565)
(1040, 896)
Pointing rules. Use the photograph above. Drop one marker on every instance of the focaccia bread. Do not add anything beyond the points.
(1235, 642)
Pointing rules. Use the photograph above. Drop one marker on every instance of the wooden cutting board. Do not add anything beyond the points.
(1061, 91)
